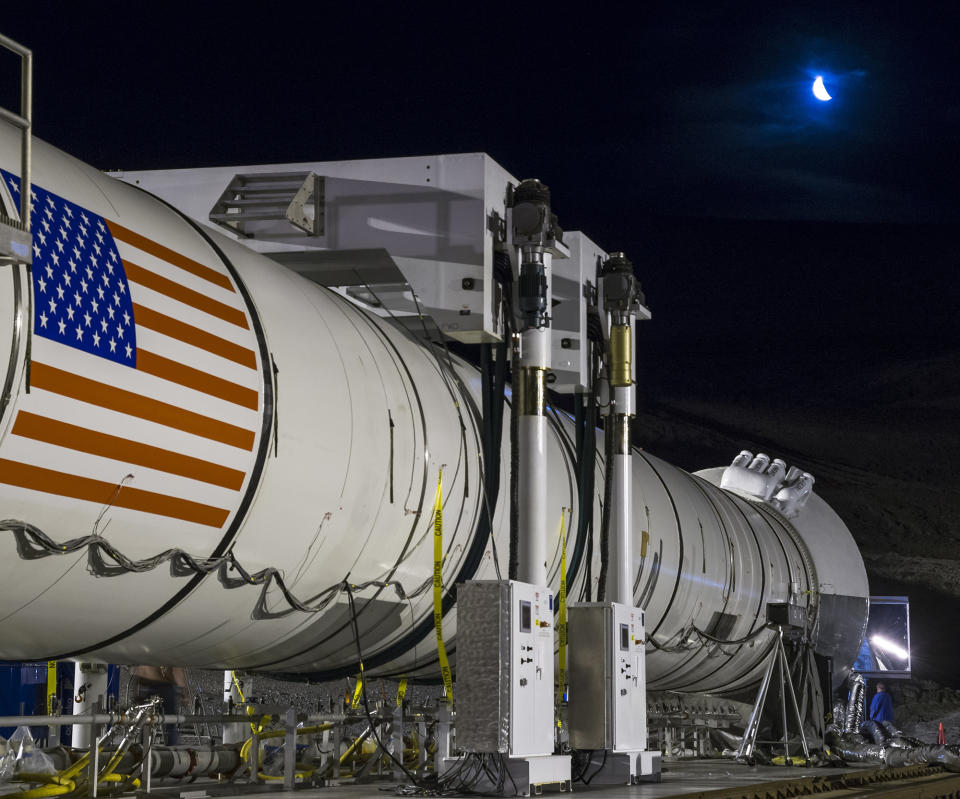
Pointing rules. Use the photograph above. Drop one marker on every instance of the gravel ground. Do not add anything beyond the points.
(920, 706)
(305, 697)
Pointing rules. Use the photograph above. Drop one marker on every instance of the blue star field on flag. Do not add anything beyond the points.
(80, 292)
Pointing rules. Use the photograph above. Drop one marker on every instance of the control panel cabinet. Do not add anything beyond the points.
(505, 668)
(607, 704)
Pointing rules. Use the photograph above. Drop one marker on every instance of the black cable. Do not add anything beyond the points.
(748, 637)
(363, 688)
(452, 782)
(607, 497)
(392, 426)
(585, 418)
(494, 778)
(584, 756)
(680, 635)
(590, 445)
(507, 770)
(33, 543)
(588, 576)
(514, 467)
(492, 383)
(594, 327)
(496, 437)
(580, 541)
(599, 768)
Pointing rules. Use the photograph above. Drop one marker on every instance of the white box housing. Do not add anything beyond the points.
(607, 705)
(505, 669)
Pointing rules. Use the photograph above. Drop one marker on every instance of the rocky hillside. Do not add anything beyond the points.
(884, 446)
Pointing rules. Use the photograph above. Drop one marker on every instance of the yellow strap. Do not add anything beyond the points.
(357, 691)
(401, 691)
(438, 588)
(51, 685)
(243, 699)
(562, 623)
(236, 684)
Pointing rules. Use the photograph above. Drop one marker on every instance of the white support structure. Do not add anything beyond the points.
(533, 234)
(537, 239)
(621, 512)
(531, 672)
(401, 236)
(622, 303)
(505, 681)
(90, 691)
(232, 696)
(607, 706)
(532, 455)
(608, 694)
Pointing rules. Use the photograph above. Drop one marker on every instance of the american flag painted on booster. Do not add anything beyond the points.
(144, 363)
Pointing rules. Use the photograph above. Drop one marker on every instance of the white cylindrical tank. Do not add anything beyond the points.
(170, 389)
(90, 682)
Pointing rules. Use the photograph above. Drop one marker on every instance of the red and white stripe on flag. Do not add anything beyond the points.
(183, 421)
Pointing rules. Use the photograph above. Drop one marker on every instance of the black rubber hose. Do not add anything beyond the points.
(492, 381)
(503, 273)
(605, 516)
(590, 474)
(584, 503)
(491, 453)
(514, 470)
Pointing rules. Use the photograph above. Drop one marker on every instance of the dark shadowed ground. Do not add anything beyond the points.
(839, 353)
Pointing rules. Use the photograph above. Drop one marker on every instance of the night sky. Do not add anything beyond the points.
(643, 124)
(681, 109)
(786, 246)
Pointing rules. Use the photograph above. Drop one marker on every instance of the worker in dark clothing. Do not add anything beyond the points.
(881, 708)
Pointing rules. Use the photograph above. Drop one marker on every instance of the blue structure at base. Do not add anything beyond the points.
(23, 691)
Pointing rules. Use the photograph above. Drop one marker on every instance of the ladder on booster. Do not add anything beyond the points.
(16, 243)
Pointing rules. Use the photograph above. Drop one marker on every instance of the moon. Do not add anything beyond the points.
(819, 90)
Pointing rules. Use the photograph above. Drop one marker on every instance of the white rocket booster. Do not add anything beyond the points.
(168, 388)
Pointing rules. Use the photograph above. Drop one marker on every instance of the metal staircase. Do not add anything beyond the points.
(290, 198)
(197, 733)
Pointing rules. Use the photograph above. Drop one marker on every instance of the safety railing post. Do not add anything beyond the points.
(94, 767)
(290, 748)
(24, 121)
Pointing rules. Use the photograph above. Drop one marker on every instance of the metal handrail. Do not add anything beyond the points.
(118, 717)
(24, 121)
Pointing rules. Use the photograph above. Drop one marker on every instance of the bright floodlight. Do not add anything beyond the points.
(819, 90)
(890, 647)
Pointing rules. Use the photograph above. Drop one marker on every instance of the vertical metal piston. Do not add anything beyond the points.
(621, 354)
(531, 391)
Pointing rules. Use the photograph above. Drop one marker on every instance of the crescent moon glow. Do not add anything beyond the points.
(819, 90)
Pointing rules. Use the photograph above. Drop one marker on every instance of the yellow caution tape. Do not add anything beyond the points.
(236, 683)
(562, 622)
(438, 588)
(358, 691)
(401, 691)
(51, 685)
